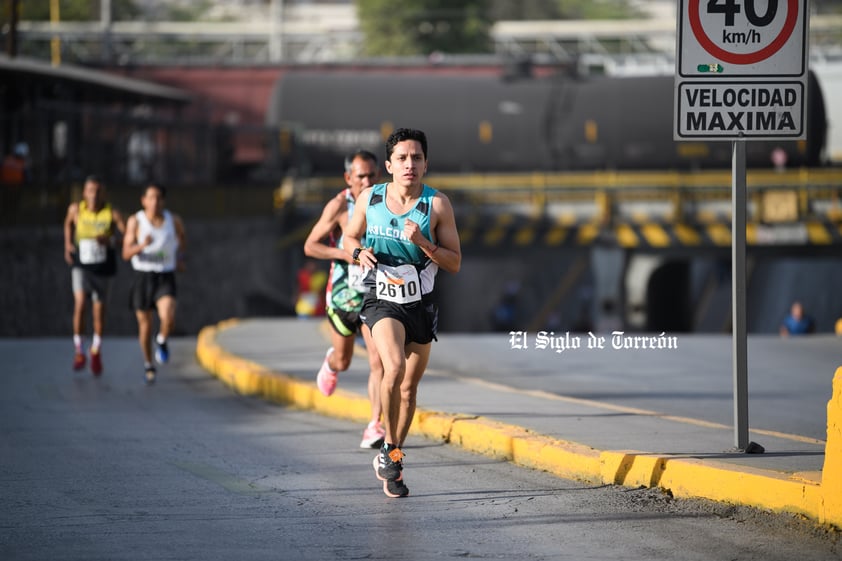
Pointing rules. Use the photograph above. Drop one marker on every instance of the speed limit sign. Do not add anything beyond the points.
(741, 69)
(732, 38)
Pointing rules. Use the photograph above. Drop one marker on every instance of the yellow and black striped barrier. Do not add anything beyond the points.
(509, 230)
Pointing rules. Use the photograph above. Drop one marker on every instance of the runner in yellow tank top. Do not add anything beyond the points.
(90, 228)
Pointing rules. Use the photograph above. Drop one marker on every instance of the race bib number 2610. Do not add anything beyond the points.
(398, 284)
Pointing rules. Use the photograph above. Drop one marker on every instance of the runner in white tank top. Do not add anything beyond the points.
(160, 255)
(154, 243)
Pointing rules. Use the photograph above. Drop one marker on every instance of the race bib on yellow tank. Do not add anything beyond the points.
(91, 252)
(398, 284)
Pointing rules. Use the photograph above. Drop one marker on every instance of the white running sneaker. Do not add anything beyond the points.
(326, 378)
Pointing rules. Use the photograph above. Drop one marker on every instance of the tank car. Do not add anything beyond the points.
(487, 124)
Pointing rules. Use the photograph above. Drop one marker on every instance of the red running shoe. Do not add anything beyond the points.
(78, 361)
(96, 363)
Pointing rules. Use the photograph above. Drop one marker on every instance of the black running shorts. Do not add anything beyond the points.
(420, 319)
(148, 288)
(97, 286)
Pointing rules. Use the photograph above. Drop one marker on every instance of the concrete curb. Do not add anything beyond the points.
(682, 476)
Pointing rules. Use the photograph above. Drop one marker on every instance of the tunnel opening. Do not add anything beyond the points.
(668, 306)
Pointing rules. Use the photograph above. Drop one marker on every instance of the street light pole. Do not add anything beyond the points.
(12, 37)
(105, 20)
(276, 41)
(55, 42)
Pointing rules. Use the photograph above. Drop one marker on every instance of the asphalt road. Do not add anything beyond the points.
(110, 469)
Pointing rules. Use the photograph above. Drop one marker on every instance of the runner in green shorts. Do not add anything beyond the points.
(345, 290)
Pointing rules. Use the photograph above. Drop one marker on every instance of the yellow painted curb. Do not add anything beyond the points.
(762, 488)
(832, 470)
(682, 476)
(250, 378)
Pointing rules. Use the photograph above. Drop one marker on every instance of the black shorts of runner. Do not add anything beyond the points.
(344, 323)
(91, 284)
(149, 287)
(420, 319)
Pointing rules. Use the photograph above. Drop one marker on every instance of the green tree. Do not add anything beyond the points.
(596, 9)
(560, 9)
(421, 27)
(187, 12)
(526, 10)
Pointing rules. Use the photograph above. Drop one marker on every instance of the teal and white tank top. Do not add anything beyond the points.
(400, 263)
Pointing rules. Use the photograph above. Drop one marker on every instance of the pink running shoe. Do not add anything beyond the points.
(326, 378)
(373, 435)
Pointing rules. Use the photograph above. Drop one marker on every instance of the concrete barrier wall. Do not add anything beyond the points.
(247, 268)
(234, 268)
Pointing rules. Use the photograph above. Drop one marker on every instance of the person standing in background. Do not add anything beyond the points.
(310, 295)
(15, 169)
(90, 231)
(797, 322)
(154, 242)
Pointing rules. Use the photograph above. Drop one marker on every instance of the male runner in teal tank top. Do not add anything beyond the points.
(409, 232)
(344, 296)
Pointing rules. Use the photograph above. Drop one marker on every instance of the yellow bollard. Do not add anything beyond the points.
(832, 472)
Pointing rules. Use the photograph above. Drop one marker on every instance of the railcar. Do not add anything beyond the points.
(489, 124)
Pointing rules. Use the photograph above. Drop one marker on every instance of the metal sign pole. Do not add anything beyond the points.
(732, 52)
(738, 293)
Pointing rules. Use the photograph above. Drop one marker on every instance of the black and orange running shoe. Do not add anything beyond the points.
(389, 462)
(393, 488)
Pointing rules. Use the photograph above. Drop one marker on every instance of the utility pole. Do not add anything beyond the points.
(276, 40)
(12, 37)
(105, 20)
(55, 42)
